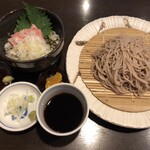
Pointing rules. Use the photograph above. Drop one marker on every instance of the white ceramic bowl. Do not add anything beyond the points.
(14, 96)
(49, 94)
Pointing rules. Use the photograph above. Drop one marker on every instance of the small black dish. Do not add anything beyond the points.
(49, 73)
(7, 26)
(5, 70)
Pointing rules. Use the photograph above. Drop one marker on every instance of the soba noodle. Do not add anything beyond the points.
(122, 65)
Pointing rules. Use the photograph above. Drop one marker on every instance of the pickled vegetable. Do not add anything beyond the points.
(57, 78)
(17, 106)
(7, 79)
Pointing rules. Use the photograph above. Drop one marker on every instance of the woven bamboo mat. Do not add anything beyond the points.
(127, 102)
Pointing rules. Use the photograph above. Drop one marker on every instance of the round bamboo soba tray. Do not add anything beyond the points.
(127, 102)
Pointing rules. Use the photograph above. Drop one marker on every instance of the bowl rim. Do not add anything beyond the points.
(5, 127)
(60, 44)
(65, 133)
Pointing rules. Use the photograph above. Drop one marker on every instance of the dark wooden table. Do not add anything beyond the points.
(96, 134)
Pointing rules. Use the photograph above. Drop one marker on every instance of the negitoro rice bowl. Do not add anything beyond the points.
(26, 42)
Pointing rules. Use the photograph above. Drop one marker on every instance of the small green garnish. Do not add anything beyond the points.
(34, 16)
(30, 98)
(32, 115)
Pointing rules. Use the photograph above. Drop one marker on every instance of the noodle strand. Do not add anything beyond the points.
(122, 65)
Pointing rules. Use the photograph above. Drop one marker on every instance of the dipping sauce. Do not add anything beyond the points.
(63, 112)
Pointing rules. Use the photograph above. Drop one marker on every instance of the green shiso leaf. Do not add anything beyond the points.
(34, 16)
(22, 23)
